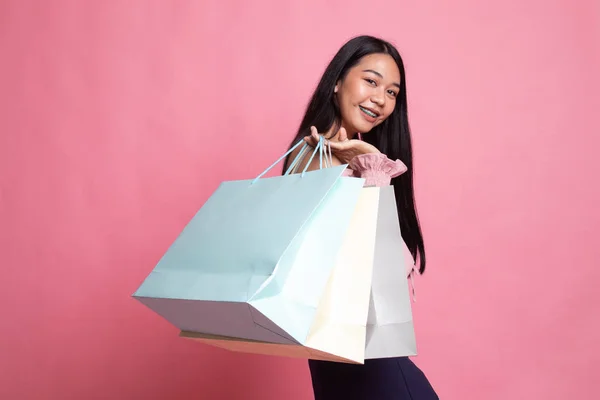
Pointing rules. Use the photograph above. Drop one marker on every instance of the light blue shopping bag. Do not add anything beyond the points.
(255, 259)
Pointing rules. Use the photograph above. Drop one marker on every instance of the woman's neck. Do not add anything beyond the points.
(333, 132)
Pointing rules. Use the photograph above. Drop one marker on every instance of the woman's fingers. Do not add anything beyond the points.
(339, 142)
(310, 140)
(338, 145)
(313, 138)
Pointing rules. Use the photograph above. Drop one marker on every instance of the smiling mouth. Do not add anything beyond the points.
(370, 113)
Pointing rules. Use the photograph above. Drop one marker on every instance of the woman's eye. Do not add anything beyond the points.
(370, 81)
(393, 93)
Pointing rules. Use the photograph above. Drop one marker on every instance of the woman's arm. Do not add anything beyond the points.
(376, 169)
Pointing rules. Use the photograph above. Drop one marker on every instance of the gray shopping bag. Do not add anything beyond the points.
(390, 328)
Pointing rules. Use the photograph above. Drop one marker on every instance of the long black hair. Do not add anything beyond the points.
(391, 137)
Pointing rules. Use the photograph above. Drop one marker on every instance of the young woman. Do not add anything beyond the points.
(360, 108)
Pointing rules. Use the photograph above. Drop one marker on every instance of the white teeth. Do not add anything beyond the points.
(370, 113)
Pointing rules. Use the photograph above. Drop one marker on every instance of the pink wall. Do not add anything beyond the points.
(120, 118)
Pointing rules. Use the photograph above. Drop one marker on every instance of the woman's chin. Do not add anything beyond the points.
(364, 127)
(359, 125)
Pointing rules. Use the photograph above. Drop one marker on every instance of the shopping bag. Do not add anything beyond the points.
(390, 328)
(340, 325)
(254, 260)
(338, 331)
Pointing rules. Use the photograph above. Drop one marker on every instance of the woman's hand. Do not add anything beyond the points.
(343, 148)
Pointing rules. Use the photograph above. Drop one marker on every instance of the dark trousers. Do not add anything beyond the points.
(378, 379)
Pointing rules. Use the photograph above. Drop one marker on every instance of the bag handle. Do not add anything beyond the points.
(296, 161)
(318, 148)
(322, 153)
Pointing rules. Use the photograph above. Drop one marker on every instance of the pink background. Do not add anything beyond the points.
(120, 118)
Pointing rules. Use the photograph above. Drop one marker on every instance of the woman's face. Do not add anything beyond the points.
(367, 95)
